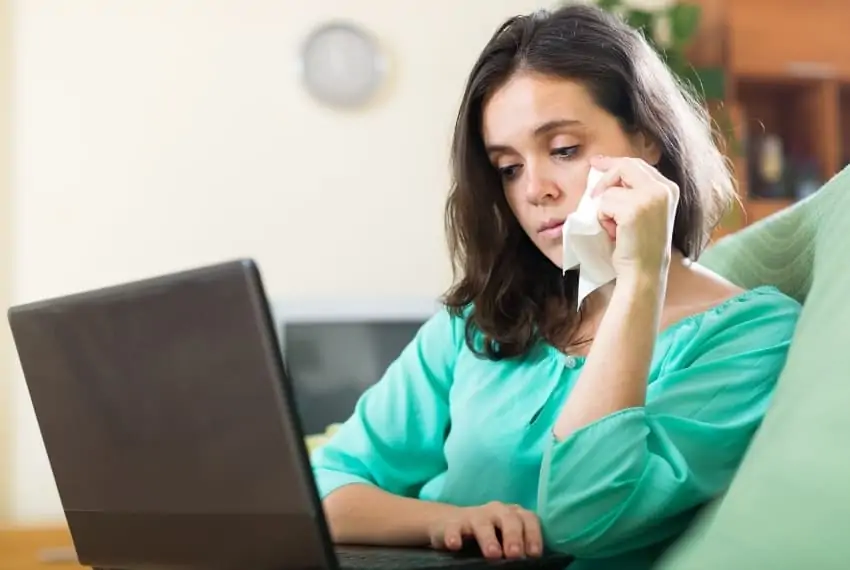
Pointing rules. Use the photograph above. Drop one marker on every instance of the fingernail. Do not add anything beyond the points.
(534, 548)
(494, 549)
(514, 549)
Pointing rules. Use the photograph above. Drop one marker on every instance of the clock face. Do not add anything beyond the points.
(342, 65)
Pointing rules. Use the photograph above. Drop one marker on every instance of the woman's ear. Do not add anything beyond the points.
(647, 148)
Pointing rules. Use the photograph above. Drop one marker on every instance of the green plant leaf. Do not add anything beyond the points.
(684, 19)
(608, 4)
(640, 20)
(677, 62)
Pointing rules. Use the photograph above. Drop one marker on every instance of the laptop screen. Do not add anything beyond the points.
(331, 363)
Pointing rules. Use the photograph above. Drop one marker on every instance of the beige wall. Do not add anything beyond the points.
(6, 422)
(153, 135)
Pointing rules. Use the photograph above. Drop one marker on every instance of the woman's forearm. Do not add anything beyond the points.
(362, 514)
(615, 374)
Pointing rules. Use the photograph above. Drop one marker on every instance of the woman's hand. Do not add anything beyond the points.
(637, 207)
(520, 531)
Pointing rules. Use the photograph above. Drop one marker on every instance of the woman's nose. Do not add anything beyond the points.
(540, 187)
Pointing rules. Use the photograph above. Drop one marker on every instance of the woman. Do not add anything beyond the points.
(517, 419)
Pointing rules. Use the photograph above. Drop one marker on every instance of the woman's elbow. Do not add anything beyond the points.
(341, 498)
(613, 522)
(344, 507)
(588, 520)
(584, 532)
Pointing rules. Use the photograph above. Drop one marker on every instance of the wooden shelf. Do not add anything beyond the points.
(760, 208)
(844, 121)
(802, 112)
(795, 38)
(788, 75)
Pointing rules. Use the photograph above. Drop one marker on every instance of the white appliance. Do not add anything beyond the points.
(334, 349)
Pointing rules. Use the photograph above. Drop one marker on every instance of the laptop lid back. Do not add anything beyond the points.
(169, 426)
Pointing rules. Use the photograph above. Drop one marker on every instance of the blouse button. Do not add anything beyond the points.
(570, 362)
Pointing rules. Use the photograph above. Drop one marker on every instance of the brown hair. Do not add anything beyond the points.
(514, 295)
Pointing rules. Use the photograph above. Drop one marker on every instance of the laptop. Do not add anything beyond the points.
(171, 430)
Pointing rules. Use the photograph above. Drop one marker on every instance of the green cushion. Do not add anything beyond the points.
(789, 506)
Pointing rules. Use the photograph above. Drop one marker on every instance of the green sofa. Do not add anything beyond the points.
(789, 505)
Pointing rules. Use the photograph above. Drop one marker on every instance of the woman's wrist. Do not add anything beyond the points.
(636, 305)
(614, 376)
(645, 286)
(364, 514)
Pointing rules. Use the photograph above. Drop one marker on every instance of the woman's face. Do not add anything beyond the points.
(540, 133)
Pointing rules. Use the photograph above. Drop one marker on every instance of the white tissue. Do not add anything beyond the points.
(587, 244)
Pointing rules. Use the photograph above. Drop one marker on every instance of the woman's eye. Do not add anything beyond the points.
(509, 172)
(565, 151)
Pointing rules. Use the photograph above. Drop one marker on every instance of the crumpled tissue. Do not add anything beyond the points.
(586, 243)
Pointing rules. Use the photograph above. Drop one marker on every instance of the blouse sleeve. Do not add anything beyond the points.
(394, 438)
(625, 481)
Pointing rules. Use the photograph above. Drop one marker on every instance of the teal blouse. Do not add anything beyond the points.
(445, 425)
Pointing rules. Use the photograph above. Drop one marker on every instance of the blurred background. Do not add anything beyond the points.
(143, 137)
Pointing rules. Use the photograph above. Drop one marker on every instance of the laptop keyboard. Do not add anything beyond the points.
(376, 558)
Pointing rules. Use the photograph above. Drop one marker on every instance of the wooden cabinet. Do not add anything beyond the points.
(787, 67)
(844, 125)
(804, 115)
(802, 112)
(799, 38)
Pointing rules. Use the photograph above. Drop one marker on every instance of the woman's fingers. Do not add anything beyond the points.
(532, 533)
(621, 171)
(513, 533)
(614, 208)
(500, 530)
(485, 533)
(452, 538)
(630, 172)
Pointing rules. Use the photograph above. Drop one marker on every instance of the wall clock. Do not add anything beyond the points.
(342, 65)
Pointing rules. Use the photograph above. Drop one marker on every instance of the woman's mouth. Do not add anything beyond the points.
(551, 228)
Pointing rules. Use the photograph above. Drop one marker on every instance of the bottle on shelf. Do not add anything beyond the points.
(768, 171)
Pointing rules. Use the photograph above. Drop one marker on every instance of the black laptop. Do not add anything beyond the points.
(170, 427)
